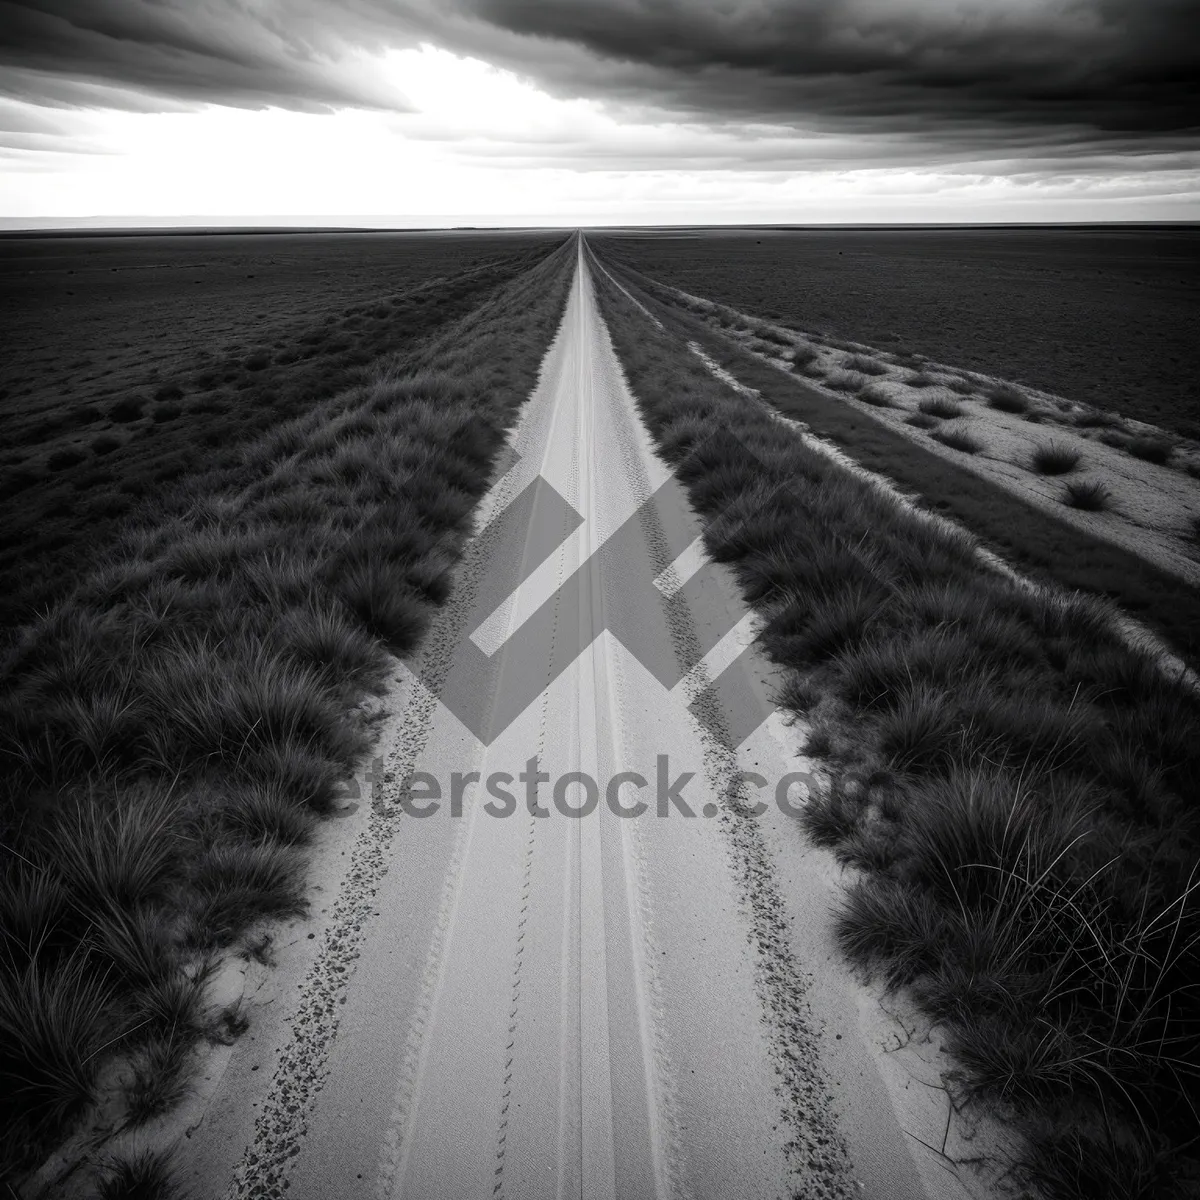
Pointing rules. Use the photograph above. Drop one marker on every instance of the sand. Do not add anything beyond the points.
(1153, 508)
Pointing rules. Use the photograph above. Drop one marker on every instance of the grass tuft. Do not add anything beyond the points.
(919, 730)
(1006, 397)
(798, 695)
(958, 439)
(1055, 458)
(833, 813)
(1098, 420)
(874, 394)
(266, 812)
(53, 1029)
(1090, 495)
(116, 849)
(376, 594)
(939, 406)
(803, 355)
(158, 1079)
(846, 381)
(882, 922)
(1150, 449)
(145, 1175)
(864, 364)
(239, 883)
(922, 420)
(838, 622)
(921, 379)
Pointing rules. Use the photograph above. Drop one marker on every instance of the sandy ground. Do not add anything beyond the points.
(548, 1006)
(1136, 635)
(1153, 508)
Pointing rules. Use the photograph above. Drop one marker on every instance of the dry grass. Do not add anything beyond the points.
(921, 379)
(940, 406)
(143, 1176)
(1046, 548)
(174, 726)
(1055, 458)
(876, 395)
(846, 381)
(177, 400)
(803, 356)
(1090, 495)
(864, 364)
(922, 420)
(1015, 783)
(958, 438)
(1150, 449)
(1006, 397)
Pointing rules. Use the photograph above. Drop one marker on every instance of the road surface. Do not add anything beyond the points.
(525, 1004)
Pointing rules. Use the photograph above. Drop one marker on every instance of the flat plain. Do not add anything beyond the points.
(134, 362)
(1105, 316)
(258, 541)
(82, 313)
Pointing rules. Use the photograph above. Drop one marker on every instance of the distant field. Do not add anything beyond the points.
(91, 315)
(1103, 315)
(133, 362)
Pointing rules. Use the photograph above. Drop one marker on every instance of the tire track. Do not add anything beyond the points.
(816, 1148)
(526, 888)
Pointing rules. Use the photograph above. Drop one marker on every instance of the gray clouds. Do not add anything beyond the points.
(1093, 69)
(959, 76)
(232, 52)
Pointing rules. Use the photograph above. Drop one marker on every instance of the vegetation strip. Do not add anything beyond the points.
(77, 471)
(1135, 635)
(1013, 783)
(172, 728)
(1021, 533)
(1016, 303)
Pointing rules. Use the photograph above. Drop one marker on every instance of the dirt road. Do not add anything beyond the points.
(522, 1003)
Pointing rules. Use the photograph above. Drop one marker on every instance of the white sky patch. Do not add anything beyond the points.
(456, 97)
(481, 145)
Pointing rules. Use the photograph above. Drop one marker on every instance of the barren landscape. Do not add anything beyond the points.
(136, 363)
(1102, 315)
(600, 601)
(321, 871)
(566, 1024)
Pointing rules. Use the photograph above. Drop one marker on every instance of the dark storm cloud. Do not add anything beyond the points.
(1101, 66)
(218, 51)
(956, 74)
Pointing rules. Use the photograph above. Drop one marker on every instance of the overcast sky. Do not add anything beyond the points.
(600, 111)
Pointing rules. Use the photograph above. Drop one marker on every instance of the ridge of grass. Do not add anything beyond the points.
(68, 501)
(169, 731)
(1014, 782)
(1024, 535)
